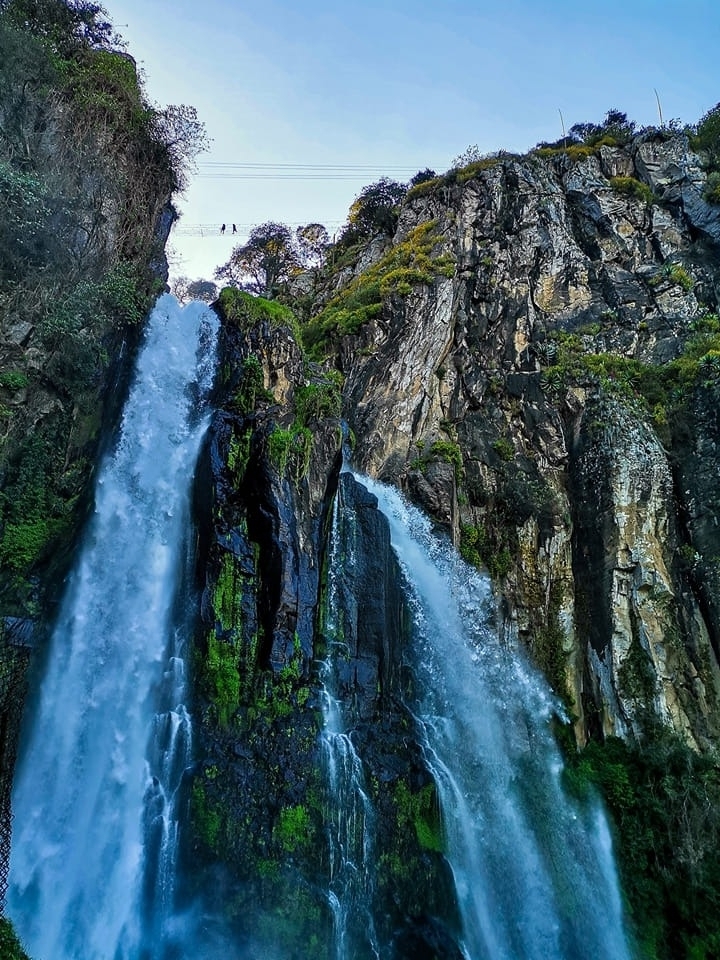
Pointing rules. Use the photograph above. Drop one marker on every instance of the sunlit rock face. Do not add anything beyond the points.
(483, 397)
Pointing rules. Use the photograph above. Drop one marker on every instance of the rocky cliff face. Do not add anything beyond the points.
(550, 404)
(286, 628)
(532, 358)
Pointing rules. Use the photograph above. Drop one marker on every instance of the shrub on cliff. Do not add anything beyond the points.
(10, 947)
(374, 211)
(707, 136)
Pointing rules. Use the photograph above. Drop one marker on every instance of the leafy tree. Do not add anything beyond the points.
(472, 154)
(374, 211)
(615, 125)
(186, 290)
(268, 259)
(184, 137)
(707, 136)
(67, 25)
(422, 176)
(313, 242)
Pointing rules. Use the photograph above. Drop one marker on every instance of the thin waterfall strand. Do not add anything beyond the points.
(349, 812)
(534, 873)
(88, 796)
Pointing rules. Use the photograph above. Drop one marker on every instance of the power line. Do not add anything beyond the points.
(250, 170)
(302, 166)
(281, 176)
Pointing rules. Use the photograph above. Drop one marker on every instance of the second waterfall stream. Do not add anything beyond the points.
(534, 873)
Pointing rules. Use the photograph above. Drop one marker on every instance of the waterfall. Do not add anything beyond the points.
(93, 855)
(348, 810)
(534, 873)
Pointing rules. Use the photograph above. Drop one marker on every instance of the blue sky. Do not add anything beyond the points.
(397, 86)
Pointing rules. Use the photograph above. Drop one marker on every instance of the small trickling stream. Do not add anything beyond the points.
(349, 813)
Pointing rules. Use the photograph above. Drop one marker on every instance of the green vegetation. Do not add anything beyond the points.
(673, 273)
(577, 151)
(707, 137)
(482, 548)
(291, 447)
(221, 670)
(630, 187)
(251, 389)
(247, 310)
(33, 505)
(504, 449)
(548, 649)
(447, 451)
(13, 380)
(374, 211)
(421, 811)
(665, 801)
(10, 946)
(293, 829)
(712, 188)
(207, 819)
(87, 165)
(316, 401)
(660, 387)
(405, 266)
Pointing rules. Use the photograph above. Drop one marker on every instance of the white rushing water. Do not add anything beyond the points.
(93, 851)
(534, 872)
(349, 816)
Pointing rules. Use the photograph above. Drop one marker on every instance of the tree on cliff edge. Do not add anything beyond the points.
(267, 259)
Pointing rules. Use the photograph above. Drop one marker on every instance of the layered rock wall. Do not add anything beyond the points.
(512, 402)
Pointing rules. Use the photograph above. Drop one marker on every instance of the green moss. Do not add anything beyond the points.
(239, 455)
(291, 448)
(13, 380)
(246, 311)
(630, 187)
(446, 450)
(252, 385)
(206, 818)
(407, 265)
(293, 829)
(298, 924)
(474, 544)
(227, 595)
(23, 544)
(222, 677)
(421, 811)
(504, 449)
(548, 647)
(317, 401)
(636, 676)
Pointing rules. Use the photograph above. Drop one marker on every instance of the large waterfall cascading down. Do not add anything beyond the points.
(93, 855)
(534, 872)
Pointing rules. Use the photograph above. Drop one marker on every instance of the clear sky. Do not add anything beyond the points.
(395, 86)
